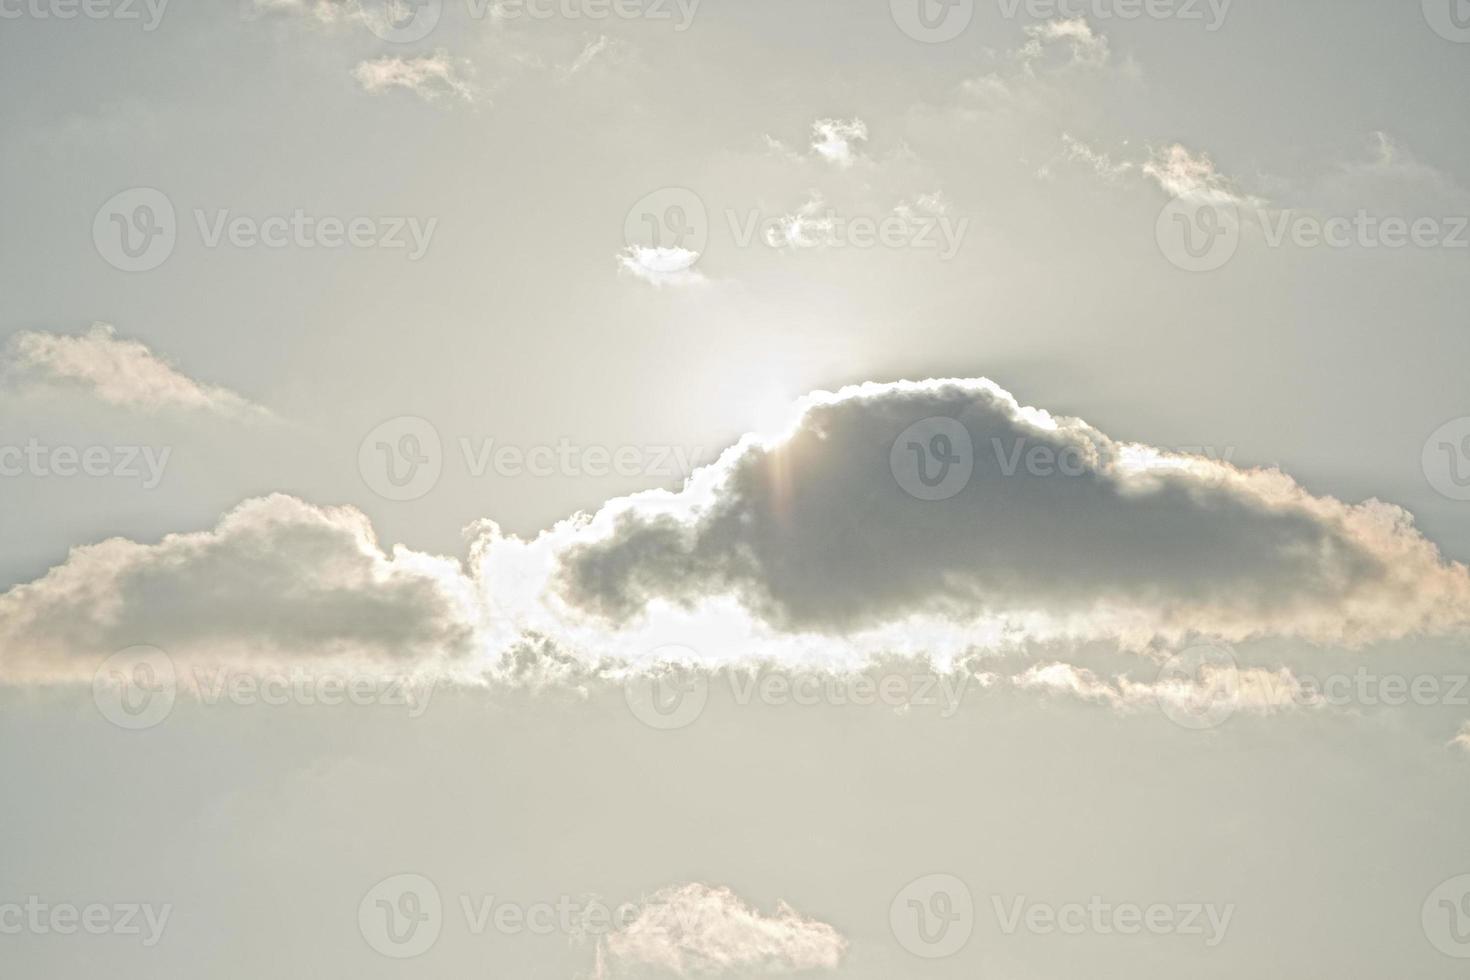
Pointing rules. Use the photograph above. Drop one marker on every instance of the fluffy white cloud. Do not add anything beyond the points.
(116, 370)
(701, 930)
(661, 266)
(833, 139)
(277, 579)
(428, 76)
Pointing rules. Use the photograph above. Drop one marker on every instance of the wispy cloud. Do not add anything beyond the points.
(116, 370)
(430, 76)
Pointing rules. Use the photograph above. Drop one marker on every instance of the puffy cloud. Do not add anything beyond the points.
(276, 579)
(428, 76)
(1184, 174)
(1087, 47)
(832, 139)
(1057, 531)
(696, 929)
(661, 266)
(116, 370)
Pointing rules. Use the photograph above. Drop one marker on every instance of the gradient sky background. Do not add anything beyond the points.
(265, 826)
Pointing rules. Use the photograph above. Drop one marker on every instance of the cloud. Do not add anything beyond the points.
(277, 579)
(661, 266)
(1226, 688)
(703, 930)
(1191, 176)
(1087, 47)
(429, 76)
(832, 139)
(813, 532)
(589, 53)
(115, 370)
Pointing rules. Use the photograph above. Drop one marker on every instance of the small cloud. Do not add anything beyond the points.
(832, 139)
(428, 76)
(1088, 48)
(661, 266)
(590, 51)
(1193, 177)
(117, 371)
(696, 929)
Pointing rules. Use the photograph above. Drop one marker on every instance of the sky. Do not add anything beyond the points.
(611, 489)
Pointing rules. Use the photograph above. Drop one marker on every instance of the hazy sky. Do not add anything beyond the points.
(908, 489)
